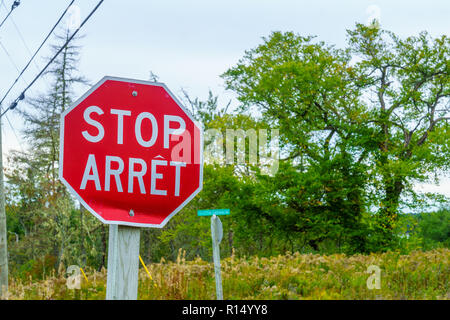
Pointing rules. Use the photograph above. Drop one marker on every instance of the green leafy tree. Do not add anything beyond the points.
(433, 229)
(298, 87)
(358, 127)
(409, 115)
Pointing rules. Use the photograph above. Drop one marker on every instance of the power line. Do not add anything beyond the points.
(27, 65)
(15, 134)
(20, 35)
(36, 52)
(14, 5)
(9, 57)
(13, 64)
(22, 95)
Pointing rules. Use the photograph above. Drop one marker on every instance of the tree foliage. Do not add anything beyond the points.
(362, 124)
(358, 127)
(41, 213)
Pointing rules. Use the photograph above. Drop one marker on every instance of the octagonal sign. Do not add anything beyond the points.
(130, 152)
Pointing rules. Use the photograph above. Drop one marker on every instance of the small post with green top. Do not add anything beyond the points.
(217, 235)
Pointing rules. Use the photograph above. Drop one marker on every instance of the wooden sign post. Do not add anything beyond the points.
(123, 263)
(119, 156)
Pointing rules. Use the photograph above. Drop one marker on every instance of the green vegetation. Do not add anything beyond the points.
(358, 127)
(430, 230)
(419, 275)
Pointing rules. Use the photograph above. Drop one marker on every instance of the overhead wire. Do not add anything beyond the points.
(36, 52)
(7, 118)
(14, 6)
(16, 27)
(21, 97)
(13, 105)
(15, 133)
(11, 60)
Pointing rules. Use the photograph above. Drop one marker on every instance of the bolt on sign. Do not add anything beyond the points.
(130, 152)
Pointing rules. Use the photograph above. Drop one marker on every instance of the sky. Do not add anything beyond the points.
(188, 44)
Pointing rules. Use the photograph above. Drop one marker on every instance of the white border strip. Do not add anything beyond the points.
(61, 151)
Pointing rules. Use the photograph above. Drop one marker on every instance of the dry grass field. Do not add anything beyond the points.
(419, 275)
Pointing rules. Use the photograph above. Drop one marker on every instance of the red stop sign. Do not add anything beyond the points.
(130, 152)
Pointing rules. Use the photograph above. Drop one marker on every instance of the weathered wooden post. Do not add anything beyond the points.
(119, 156)
(3, 229)
(123, 263)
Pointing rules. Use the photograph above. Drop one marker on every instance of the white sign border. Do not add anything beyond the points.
(61, 152)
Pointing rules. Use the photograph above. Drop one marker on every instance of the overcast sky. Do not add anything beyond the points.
(188, 44)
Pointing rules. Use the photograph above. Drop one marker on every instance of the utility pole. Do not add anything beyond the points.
(3, 232)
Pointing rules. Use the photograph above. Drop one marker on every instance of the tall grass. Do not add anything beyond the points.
(419, 275)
